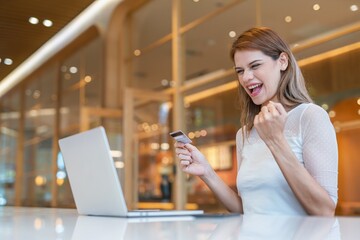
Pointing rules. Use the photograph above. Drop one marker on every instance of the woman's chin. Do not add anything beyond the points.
(258, 102)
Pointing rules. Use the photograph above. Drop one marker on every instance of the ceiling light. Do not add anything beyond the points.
(359, 111)
(67, 76)
(60, 175)
(232, 34)
(47, 23)
(164, 146)
(119, 164)
(0, 60)
(116, 154)
(191, 135)
(358, 101)
(197, 134)
(325, 106)
(73, 70)
(40, 180)
(33, 20)
(154, 146)
(88, 79)
(164, 82)
(137, 52)
(354, 8)
(196, 1)
(332, 113)
(203, 133)
(316, 7)
(36, 94)
(154, 127)
(8, 61)
(288, 19)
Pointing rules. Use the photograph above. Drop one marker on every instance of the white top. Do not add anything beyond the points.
(260, 182)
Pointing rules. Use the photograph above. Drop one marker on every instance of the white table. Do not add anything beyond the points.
(50, 223)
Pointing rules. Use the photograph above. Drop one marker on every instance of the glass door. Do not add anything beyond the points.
(148, 115)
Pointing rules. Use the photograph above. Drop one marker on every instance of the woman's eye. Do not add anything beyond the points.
(239, 71)
(255, 66)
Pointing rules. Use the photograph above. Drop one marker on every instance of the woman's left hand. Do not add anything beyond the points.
(270, 121)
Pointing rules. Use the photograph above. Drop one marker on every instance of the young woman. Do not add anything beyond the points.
(286, 147)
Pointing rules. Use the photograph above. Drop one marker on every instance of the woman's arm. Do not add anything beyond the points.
(223, 192)
(313, 197)
(192, 161)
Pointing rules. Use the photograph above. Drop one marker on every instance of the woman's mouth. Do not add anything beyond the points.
(255, 89)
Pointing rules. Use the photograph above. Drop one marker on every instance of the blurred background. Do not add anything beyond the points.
(144, 68)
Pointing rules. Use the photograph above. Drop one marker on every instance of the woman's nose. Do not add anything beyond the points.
(248, 75)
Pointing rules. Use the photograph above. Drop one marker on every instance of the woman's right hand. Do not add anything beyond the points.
(192, 161)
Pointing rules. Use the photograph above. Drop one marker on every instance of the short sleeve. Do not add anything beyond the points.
(320, 151)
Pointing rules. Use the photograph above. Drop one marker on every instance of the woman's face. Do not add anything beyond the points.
(259, 74)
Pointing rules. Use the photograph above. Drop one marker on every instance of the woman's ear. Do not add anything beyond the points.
(284, 61)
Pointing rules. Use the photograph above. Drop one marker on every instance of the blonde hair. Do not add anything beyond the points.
(291, 90)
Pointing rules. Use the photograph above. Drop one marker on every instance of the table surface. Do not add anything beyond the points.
(52, 223)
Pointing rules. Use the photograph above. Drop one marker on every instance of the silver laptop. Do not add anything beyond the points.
(94, 181)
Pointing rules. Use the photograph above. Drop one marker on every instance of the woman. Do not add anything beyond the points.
(286, 147)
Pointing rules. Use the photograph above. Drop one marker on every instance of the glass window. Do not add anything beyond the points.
(82, 84)
(9, 133)
(150, 23)
(40, 97)
(333, 76)
(152, 70)
(212, 122)
(114, 133)
(207, 46)
(93, 73)
(81, 77)
(156, 163)
(194, 9)
(307, 19)
(70, 95)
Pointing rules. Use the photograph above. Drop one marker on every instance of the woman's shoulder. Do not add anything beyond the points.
(239, 134)
(313, 115)
(314, 111)
(241, 137)
(309, 110)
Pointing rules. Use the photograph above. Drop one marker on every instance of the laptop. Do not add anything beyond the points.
(94, 181)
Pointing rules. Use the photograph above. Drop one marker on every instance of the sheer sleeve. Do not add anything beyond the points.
(320, 152)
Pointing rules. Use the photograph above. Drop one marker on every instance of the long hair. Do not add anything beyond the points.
(291, 90)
